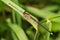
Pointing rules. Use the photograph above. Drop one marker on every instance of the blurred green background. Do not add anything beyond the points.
(14, 27)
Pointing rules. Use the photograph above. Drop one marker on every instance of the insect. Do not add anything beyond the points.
(29, 16)
(26, 14)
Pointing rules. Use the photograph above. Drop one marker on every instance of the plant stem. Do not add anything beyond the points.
(49, 24)
(36, 35)
(17, 16)
(13, 16)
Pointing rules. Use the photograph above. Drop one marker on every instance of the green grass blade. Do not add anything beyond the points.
(49, 24)
(13, 16)
(2, 6)
(50, 8)
(18, 17)
(17, 30)
(14, 36)
(55, 26)
(20, 11)
(41, 13)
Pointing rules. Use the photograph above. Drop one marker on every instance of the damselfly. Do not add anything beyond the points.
(23, 13)
(29, 16)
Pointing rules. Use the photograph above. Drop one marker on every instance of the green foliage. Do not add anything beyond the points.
(57, 1)
(12, 28)
(18, 31)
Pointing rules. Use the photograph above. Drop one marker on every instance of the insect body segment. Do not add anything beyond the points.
(29, 16)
